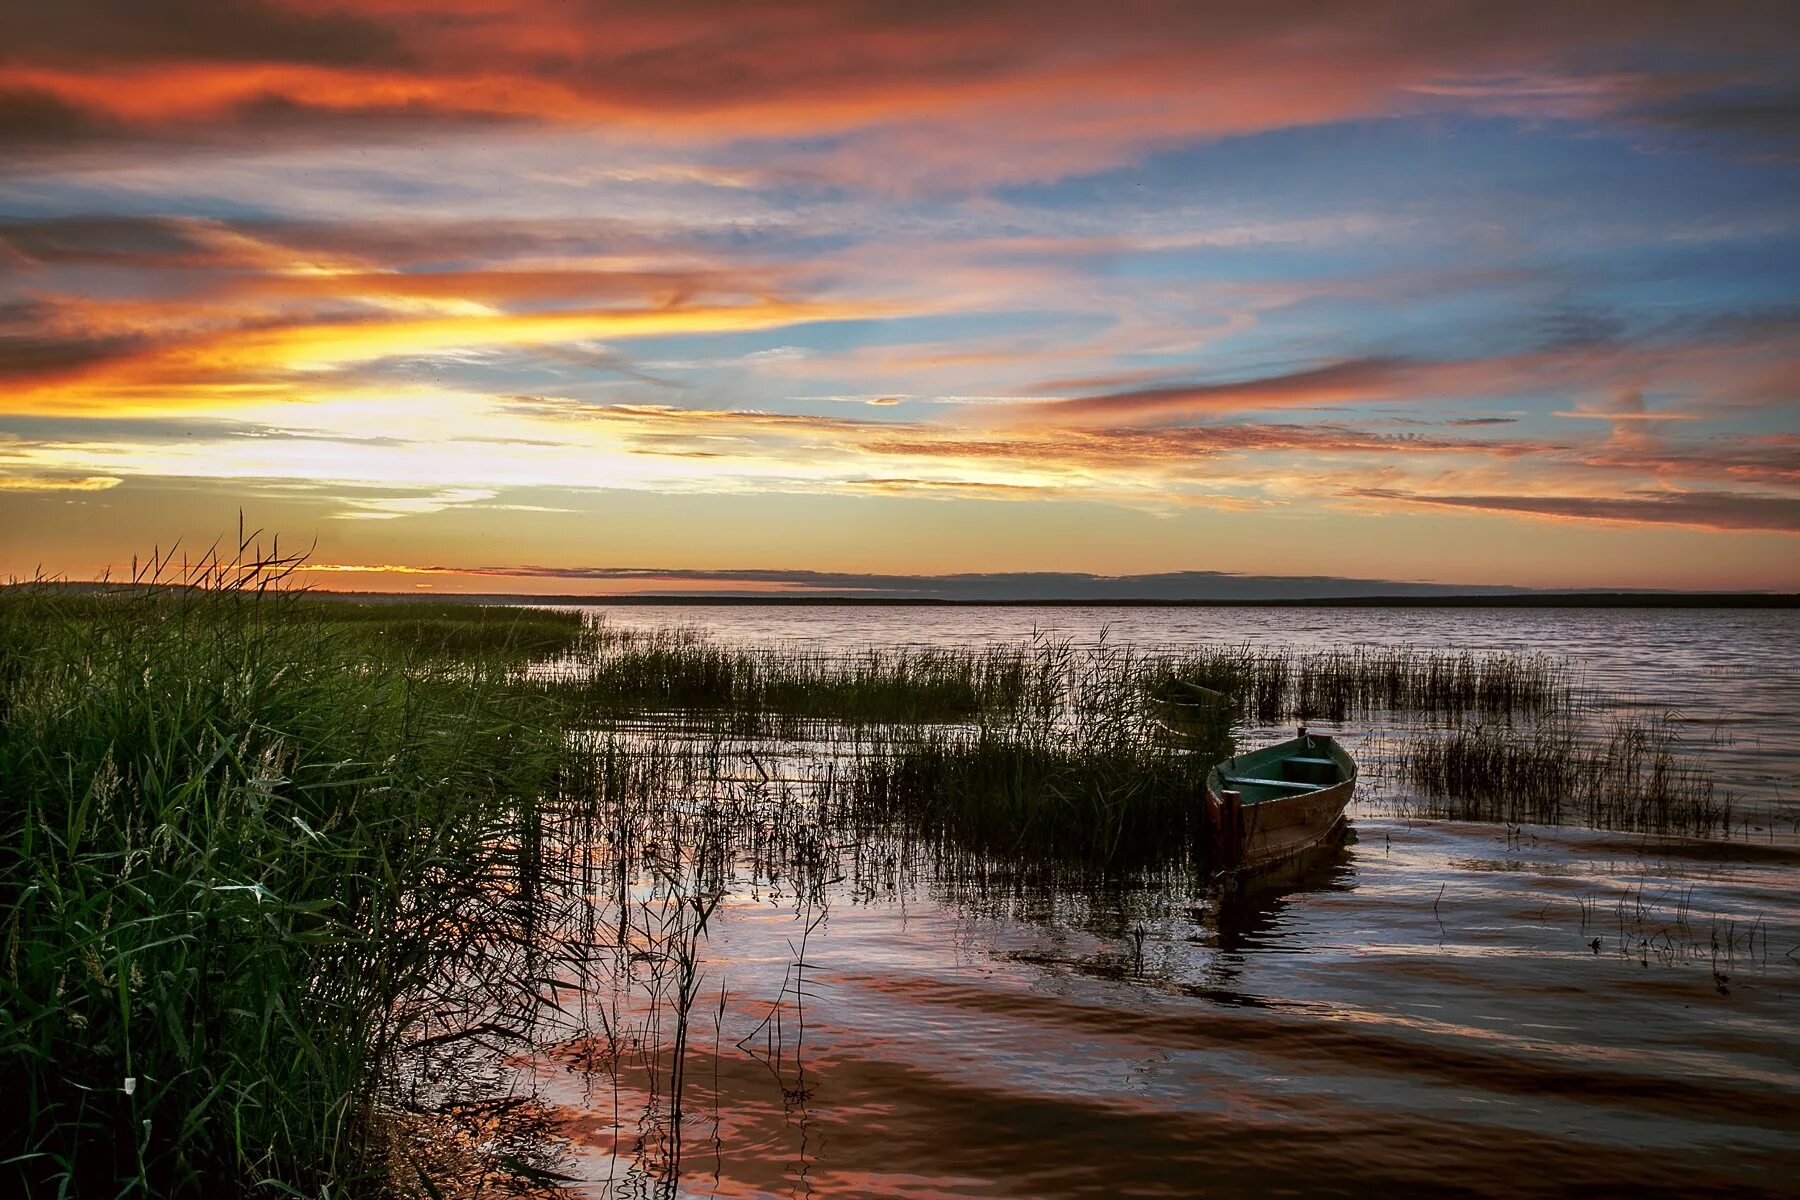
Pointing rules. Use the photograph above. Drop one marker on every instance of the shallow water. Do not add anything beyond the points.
(1731, 675)
(1433, 1008)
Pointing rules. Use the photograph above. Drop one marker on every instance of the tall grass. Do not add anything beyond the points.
(250, 851)
(457, 629)
(425, 627)
(1279, 683)
(1629, 777)
(1036, 801)
(615, 670)
(1092, 781)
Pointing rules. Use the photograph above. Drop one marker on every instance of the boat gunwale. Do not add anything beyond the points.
(1335, 797)
(1217, 782)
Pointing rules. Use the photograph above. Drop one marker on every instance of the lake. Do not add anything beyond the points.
(1436, 1008)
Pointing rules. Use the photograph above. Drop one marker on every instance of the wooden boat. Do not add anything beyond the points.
(1278, 801)
(1192, 715)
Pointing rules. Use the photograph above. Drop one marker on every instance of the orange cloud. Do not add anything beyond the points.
(658, 288)
(58, 483)
(171, 376)
(1062, 86)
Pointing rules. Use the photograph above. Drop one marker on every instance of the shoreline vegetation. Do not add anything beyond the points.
(270, 858)
(253, 846)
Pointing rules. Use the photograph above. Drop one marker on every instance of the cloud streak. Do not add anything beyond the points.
(934, 87)
(1700, 510)
(171, 374)
(1335, 383)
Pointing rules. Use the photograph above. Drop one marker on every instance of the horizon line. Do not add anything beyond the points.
(1520, 598)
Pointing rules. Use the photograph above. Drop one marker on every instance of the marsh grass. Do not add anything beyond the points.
(1028, 800)
(750, 689)
(425, 628)
(668, 671)
(1631, 776)
(251, 851)
(509, 632)
(1274, 684)
(1091, 780)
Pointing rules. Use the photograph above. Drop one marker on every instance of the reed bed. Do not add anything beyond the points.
(668, 671)
(249, 855)
(1092, 781)
(1268, 685)
(615, 670)
(510, 632)
(1028, 800)
(505, 631)
(1630, 777)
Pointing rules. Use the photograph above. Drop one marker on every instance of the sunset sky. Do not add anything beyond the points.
(557, 296)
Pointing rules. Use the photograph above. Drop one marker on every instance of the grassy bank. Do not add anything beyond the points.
(257, 849)
(252, 847)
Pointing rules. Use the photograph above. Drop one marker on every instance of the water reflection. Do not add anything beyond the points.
(1253, 912)
(1417, 1000)
(1425, 1008)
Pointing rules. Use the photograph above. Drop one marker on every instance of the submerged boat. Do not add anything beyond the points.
(1279, 801)
(1192, 715)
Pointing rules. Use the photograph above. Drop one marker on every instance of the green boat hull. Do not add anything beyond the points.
(1282, 800)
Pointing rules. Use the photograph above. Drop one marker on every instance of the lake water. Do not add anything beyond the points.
(1731, 675)
(1436, 1008)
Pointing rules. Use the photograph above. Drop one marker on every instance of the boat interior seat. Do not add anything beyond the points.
(1280, 783)
(1312, 762)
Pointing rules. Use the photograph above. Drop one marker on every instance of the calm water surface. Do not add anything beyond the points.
(1435, 1009)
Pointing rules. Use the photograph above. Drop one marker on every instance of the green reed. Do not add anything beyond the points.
(1033, 799)
(252, 848)
(452, 628)
(614, 670)
(1280, 683)
(1095, 781)
(1631, 776)
(426, 627)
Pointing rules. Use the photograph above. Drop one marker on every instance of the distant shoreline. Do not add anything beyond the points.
(1760, 600)
(1745, 600)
